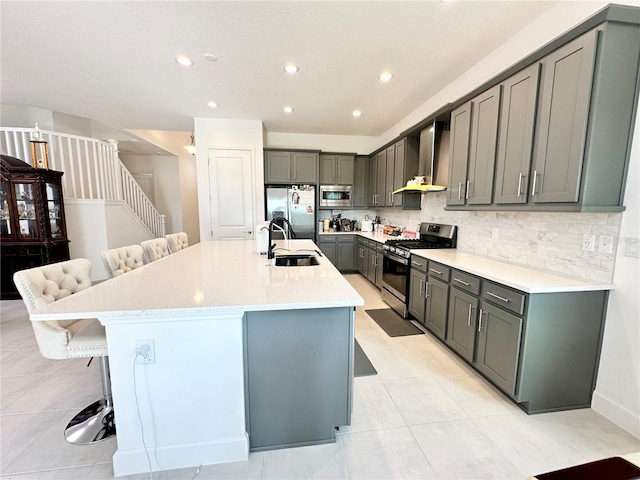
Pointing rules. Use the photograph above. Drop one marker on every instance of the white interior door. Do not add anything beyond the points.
(231, 187)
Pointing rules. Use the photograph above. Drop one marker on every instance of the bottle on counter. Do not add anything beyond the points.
(325, 226)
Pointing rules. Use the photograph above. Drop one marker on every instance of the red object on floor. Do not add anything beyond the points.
(614, 468)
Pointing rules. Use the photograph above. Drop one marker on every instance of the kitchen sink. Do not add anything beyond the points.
(296, 260)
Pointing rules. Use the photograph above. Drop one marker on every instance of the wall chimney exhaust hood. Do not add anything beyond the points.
(431, 141)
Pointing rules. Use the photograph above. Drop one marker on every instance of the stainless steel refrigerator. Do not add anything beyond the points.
(296, 203)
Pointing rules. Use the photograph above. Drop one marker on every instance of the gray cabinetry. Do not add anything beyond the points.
(417, 288)
(389, 176)
(562, 126)
(436, 307)
(362, 256)
(381, 179)
(459, 154)
(515, 143)
(373, 181)
(360, 182)
(290, 167)
(298, 378)
(339, 250)
(336, 169)
(461, 325)
(498, 349)
(565, 125)
(473, 149)
(373, 263)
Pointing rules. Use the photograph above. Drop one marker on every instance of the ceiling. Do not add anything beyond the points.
(113, 61)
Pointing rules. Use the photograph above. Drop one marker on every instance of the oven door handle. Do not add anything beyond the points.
(396, 258)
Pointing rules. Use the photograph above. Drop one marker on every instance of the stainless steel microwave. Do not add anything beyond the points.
(335, 196)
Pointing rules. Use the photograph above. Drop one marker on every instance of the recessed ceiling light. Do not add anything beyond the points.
(385, 76)
(288, 109)
(212, 104)
(356, 113)
(184, 60)
(211, 57)
(291, 68)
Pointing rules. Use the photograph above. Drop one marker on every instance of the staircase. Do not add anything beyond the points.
(92, 171)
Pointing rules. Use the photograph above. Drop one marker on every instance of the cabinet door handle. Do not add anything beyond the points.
(420, 288)
(466, 193)
(469, 319)
(426, 290)
(459, 190)
(520, 184)
(480, 321)
(435, 271)
(535, 178)
(391, 198)
(460, 281)
(505, 300)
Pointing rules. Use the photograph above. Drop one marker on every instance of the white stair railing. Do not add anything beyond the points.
(92, 170)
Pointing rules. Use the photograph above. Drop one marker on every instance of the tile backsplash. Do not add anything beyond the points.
(550, 241)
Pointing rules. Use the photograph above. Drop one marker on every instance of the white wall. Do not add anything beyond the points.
(329, 143)
(165, 170)
(228, 134)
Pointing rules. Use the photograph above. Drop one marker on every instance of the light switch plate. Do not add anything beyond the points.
(605, 244)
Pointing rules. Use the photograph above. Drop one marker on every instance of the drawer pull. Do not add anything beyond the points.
(460, 281)
(417, 263)
(505, 300)
(435, 271)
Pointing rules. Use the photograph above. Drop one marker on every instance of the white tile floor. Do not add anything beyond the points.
(426, 415)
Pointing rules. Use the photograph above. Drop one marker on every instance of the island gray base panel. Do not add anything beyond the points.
(298, 376)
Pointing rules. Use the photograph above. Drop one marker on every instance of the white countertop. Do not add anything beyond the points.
(519, 277)
(215, 276)
(377, 236)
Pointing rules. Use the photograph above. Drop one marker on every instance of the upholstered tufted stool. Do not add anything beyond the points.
(122, 260)
(155, 249)
(177, 241)
(70, 339)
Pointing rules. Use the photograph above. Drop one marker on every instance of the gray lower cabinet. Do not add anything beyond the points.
(362, 256)
(298, 376)
(339, 250)
(498, 349)
(461, 326)
(290, 167)
(540, 349)
(372, 273)
(417, 288)
(436, 307)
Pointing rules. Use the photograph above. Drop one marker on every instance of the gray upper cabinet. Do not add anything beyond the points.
(482, 153)
(565, 126)
(562, 125)
(336, 169)
(459, 154)
(515, 143)
(290, 167)
(373, 180)
(381, 177)
(474, 136)
(389, 176)
(360, 182)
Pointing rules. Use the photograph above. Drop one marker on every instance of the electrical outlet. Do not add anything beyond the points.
(588, 243)
(494, 233)
(605, 245)
(146, 351)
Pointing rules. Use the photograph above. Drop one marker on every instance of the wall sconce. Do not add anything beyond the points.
(39, 154)
(191, 148)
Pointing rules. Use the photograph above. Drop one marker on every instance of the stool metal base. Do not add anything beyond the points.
(93, 424)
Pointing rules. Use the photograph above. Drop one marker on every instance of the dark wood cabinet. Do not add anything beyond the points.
(32, 223)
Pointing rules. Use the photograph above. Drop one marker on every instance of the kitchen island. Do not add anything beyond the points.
(246, 354)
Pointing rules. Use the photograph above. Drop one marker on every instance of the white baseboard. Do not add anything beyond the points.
(616, 413)
(170, 457)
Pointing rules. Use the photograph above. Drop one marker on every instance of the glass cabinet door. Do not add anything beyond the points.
(26, 208)
(5, 220)
(54, 210)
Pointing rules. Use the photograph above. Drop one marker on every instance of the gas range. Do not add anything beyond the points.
(432, 235)
(396, 261)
